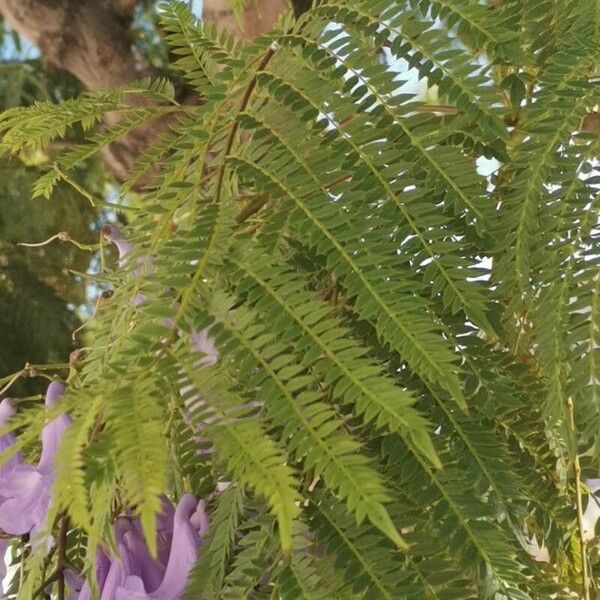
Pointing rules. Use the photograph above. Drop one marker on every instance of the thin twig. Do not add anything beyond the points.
(437, 108)
(44, 585)
(47, 562)
(29, 370)
(24, 554)
(256, 204)
(86, 323)
(251, 208)
(60, 562)
(585, 584)
(12, 380)
(75, 185)
(63, 236)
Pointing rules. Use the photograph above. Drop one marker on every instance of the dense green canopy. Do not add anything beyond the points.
(378, 365)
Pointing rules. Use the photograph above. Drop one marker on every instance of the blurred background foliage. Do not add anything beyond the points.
(42, 298)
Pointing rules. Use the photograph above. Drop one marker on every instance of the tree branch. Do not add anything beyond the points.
(91, 40)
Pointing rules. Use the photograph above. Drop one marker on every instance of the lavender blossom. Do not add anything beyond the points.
(134, 574)
(25, 489)
(121, 568)
(111, 572)
(183, 555)
(80, 587)
(7, 411)
(113, 234)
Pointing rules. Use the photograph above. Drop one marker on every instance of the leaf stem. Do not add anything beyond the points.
(585, 584)
(44, 585)
(236, 124)
(63, 236)
(11, 380)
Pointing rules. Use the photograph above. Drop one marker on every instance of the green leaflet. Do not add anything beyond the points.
(328, 348)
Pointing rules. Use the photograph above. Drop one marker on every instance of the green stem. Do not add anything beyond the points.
(585, 584)
(11, 379)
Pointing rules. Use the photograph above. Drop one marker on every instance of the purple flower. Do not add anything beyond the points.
(25, 489)
(81, 589)
(190, 519)
(199, 520)
(134, 574)
(7, 410)
(112, 572)
(113, 234)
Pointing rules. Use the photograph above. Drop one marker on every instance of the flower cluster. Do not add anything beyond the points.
(134, 574)
(131, 574)
(25, 488)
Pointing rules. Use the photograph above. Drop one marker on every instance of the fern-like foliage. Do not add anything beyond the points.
(405, 396)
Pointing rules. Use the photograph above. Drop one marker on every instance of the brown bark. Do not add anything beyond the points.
(90, 39)
(258, 16)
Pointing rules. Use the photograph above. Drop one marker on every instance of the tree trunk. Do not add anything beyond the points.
(258, 16)
(90, 39)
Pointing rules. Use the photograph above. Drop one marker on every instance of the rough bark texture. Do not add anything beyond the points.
(258, 16)
(90, 39)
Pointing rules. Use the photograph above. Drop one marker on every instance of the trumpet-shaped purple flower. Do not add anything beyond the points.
(111, 572)
(25, 489)
(113, 234)
(190, 522)
(134, 574)
(7, 410)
